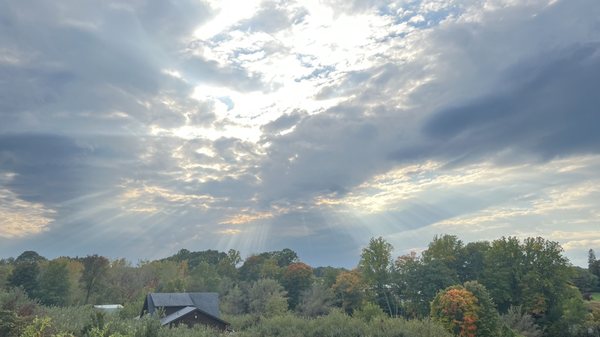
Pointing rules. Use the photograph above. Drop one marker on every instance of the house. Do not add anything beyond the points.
(185, 308)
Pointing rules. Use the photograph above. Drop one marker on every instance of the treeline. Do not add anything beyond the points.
(506, 287)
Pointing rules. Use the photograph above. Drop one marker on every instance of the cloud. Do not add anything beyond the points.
(273, 16)
(549, 111)
(295, 123)
(19, 217)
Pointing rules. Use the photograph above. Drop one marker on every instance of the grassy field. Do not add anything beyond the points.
(596, 296)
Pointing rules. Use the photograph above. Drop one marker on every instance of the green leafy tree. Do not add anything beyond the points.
(266, 297)
(94, 273)
(593, 263)
(26, 273)
(327, 275)
(446, 248)
(376, 268)
(251, 269)
(584, 280)
(285, 257)
(5, 271)
(545, 276)
(488, 323)
(316, 301)
(567, 316)
(271, 269)
(123, 282)
(473, 261)
(54, 284)
(227, 266)
(267, 265)
(503, 272)
(204, 278)
(417, 283)
(235, 301)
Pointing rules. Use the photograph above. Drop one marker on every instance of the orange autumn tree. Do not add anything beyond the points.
(456, 309)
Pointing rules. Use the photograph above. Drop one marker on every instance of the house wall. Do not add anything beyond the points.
(170, 310)
(196, 317)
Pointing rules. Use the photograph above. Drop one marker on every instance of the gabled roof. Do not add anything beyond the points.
(174, 316)
(187, 310)
(206, 302)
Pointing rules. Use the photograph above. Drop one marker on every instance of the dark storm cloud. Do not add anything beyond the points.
(53, 169)
(550, 108)
(81, 179)
(326, 153)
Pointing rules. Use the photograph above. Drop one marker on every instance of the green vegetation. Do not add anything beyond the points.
(502, 288)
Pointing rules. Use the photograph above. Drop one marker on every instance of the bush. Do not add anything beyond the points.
(369, 312)
(10, 324)
(17, 301)
(520, 322)
(339, 324)
(71, 319)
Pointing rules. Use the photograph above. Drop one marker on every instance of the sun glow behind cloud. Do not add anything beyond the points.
(254, 124)
(18, 217)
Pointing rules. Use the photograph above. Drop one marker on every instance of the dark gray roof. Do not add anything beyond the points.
(174, 316)
(207, 302)
(171, 299)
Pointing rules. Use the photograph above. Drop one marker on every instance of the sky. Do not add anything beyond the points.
(137, 128)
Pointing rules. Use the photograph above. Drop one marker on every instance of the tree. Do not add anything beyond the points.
(26, 273)
(447, 249)
(54, 284)
(545, 275)
(123, 282)
(266, 297)
(349, 289)
(327, 275)
(503, 272)
(457, 310)
(94, 274)
(417, 283)
(296, 279)
(250, 270)
(567, 316)
(376, 268)
(227, 266)
(234, 302)
(285, 257)
(5, 271)
(267, 264)
(521, 322)
(316, 301)
(488, 323)
(584, 280)
(473, 261)
(593, 263)
(203, 278)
